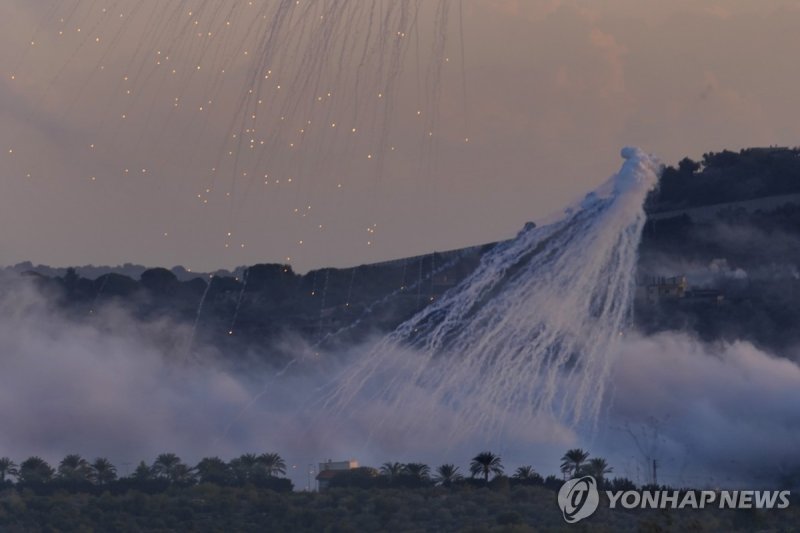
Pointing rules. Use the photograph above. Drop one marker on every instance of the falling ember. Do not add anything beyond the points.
(156, 97)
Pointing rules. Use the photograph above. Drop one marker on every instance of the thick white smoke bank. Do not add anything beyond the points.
(109, 386)
(710, 414)
(531, 332)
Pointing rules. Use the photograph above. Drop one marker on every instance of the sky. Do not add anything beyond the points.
(468, 148)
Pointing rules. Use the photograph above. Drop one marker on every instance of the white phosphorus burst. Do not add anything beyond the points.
(251, 110)
(531, 332)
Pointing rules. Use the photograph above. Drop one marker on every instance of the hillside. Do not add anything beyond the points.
(729, 223)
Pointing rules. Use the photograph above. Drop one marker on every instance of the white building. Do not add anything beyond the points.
(330, 469)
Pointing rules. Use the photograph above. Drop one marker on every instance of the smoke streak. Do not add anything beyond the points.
(531, 332)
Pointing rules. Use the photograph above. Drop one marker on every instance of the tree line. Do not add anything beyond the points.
(727, 177)
(268, 470)
(77, 473)
(485, 469)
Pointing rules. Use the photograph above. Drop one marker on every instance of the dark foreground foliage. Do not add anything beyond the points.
(498, 507)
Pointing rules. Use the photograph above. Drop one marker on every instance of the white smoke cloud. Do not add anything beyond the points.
(720, 267)
(727, 413)
(107, 388)
(111, 388)
(125, 389)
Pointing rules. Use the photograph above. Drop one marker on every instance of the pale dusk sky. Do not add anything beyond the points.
(553, 91)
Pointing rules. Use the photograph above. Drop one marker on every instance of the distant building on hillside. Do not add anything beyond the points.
(656, 290)
(331, 469)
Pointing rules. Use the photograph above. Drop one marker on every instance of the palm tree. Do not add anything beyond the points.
(103, 471)
(7, 469)
(573, 460)
(35, 470)
(486, 463)
(245, 467)
(142, 472)
(181, 474)
(213, 470)
(169, 466)
(391, 470)
(419, 471)
(597, 468)
(447, 474)
(526, 473)
(273, 464)
(74, 468)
